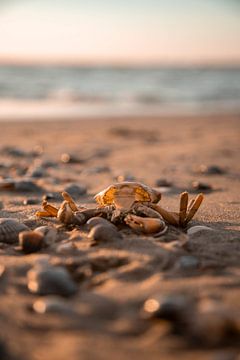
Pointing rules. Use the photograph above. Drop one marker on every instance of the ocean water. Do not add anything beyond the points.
(49, 91)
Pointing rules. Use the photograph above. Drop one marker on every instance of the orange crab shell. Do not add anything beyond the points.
(133, 190)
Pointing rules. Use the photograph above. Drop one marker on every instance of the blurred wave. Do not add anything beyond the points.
(102, 90)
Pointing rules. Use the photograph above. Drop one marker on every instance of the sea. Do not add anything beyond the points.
(61, 92)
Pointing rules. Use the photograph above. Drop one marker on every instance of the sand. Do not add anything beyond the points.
(105, 319)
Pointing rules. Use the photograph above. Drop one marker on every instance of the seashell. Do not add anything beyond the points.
(97, 220)
(195, 229)
(9, 230)
(50, 280)
(31, 241)
(49, 234)
(103, 233)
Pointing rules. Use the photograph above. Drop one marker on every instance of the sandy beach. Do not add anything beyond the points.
(106, 317)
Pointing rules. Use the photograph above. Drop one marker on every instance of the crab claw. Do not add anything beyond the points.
(65, 214)
(146, 225)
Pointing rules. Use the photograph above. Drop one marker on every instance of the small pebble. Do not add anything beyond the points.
(125, 177)
(163, 183)
(188, 262)
(49, 164)
(66, 248)
(96, 170)
(172, 307)
(31, 241)
(83, 273)
(31, 201)
(76, 190)
(71, 159)
(195, 229)
(199, 186)
(38, 150)
(50, 280)
(27, 186)
(13, 151)
(36, 172)
(49, 233)
(2, 270)
(52, 304)
(55, 196)
(211, 170)
(103, 233)
(97, 220)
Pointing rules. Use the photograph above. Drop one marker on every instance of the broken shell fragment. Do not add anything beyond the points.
(9, 230)
(103, 233)
(31, 241)
(146, 225)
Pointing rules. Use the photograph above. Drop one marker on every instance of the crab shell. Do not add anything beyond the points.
(124, 194)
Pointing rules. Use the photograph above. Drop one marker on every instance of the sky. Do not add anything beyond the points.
(120, 31)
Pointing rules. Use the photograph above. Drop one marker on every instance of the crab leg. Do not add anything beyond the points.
(194, 208)
(183, 207)
(51, 210)
(43, 214)
(146, 225)
(170, 217)
(70, 200)
(190, 204)
(140, 209)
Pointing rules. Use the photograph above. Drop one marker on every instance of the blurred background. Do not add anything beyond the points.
(74, 58)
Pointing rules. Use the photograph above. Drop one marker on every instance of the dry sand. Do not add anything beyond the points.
(104, 319)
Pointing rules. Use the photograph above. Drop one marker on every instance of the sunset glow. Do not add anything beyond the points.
(120, 32)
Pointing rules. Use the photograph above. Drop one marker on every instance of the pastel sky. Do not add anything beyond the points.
(122, 31)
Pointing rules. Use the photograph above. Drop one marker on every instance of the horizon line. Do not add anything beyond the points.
(22, 61)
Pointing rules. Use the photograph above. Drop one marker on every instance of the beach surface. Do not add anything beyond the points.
(106, 317)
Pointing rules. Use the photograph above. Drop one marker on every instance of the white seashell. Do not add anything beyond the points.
(9, 230)
(195, 229)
